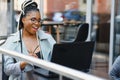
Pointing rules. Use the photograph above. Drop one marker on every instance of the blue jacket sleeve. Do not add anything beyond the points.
(115, 70)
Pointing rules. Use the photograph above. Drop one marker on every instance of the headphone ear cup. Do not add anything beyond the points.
(27, 3)
(23, 4)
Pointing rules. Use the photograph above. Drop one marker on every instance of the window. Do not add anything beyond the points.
(85, 1)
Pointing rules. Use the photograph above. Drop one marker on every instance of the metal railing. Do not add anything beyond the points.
(59, 69)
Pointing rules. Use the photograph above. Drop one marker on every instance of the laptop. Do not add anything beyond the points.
(77, 55)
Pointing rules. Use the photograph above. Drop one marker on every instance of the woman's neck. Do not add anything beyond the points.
(27, 34)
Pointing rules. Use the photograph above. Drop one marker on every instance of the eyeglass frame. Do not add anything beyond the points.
(34, 20)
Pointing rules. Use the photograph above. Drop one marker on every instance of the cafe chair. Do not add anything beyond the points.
(82, 34)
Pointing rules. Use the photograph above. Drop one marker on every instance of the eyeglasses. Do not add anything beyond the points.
(34, 20)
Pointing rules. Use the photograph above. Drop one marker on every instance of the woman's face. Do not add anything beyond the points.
(31, 22)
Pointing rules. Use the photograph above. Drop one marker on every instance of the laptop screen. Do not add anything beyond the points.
(74, 55)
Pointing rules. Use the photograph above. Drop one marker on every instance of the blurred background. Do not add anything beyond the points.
(103, 17)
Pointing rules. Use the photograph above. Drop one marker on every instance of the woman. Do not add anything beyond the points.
(29, 40)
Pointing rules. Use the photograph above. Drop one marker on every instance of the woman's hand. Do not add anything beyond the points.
(22, 65)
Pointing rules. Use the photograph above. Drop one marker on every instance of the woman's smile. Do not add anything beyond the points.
(35, 28)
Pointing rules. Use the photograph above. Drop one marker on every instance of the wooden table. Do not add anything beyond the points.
(58, 24)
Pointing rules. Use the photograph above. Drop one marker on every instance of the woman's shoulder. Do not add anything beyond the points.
(43, 34)
(12, 38)
(10, 41)
(46, 36)
(118, 58)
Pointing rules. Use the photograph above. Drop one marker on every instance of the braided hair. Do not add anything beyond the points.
(26, 7)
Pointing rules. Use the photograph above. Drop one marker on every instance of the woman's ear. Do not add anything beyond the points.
(23, 20)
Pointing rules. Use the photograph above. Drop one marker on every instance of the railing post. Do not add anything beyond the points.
(60, 77)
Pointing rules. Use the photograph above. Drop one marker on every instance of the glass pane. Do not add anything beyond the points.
(101, 25)
(101, 12)
(60, 10)
(64, 11)
(3, 18)
(117, 30)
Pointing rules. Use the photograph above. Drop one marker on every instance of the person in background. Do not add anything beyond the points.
(29, 40)
(115, 70)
